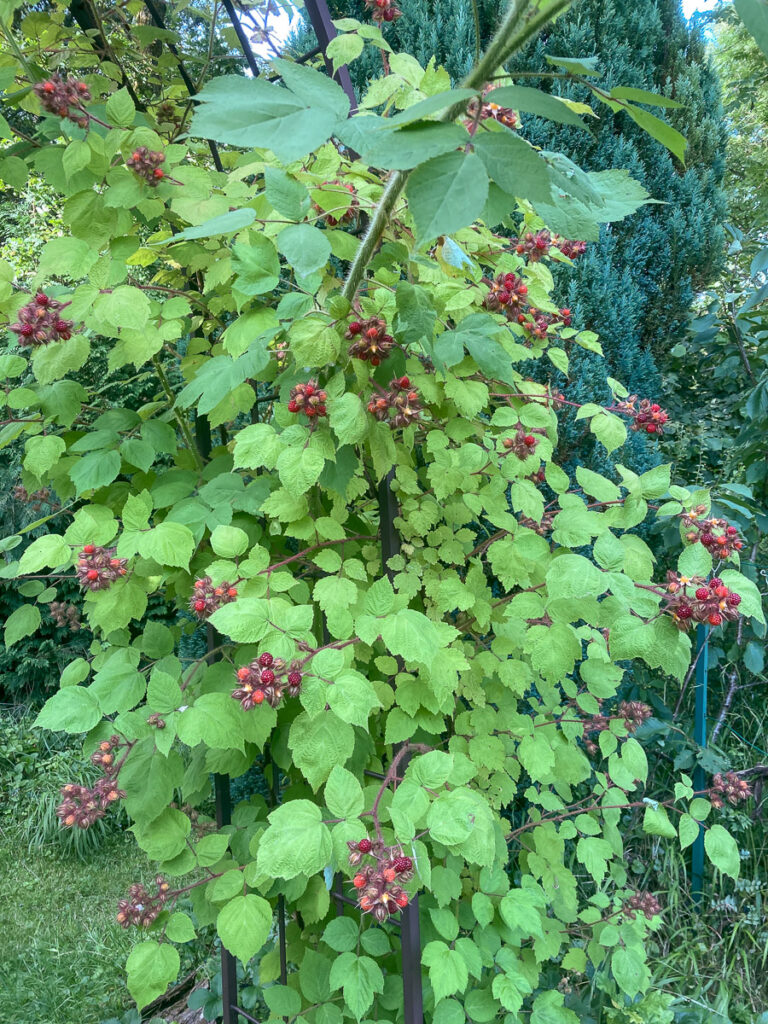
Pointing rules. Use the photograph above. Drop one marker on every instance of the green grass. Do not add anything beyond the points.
(61, 953)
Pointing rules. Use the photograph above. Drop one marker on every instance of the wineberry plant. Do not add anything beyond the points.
(345, 315)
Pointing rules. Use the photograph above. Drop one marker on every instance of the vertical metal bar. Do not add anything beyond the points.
(700, 737)
(281, 898)
(325, 31)
(222, 795)
(410, 931)
(228, 962)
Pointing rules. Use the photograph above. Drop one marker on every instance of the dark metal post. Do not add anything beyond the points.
(410, 931)
(700, 737)
(325, 31)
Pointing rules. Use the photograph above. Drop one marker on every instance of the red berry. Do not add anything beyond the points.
(355, 327)
(232, 592)
(92, 574)
(503, 297)
(27, 330)
(722, 591)
(389, 874)
(684, 611)
(267, 676)
(731, 531)
(720, 540)
(89, 549)
(49, 87)
(309, 390)
(702, 594)
(404, 382)
(199, 606)
(265, 659)
(358, 881)
(292, 406)
(403, 864)
(707, 539)
(389, 15)
(715, 619)
(737, 545)
(243, 673)
(158, 173)
(715, 582)
(529, 439)
(294, 678)
(734, 600)
(402, 900)
(364, 846)
(258, 696)
(650, 428)
(655, 408)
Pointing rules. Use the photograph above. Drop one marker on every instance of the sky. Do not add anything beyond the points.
(689, 6)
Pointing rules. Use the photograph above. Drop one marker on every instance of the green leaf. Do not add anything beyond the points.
(168, 544)
(214, 719)
(305, 247)
(73, 709)
(664, 133)
(124, 307)
(320, 743)
(722, 849)
(95, 470)
(688, 829)
(343, 794)
(447, 969)
(575, 576)
(229, 541)
(385, 145)
(447, 193)
(360, 978)
(291, 119)
(314, 342)
(299, 468)
(515, 166)
(657, 823)
(461, 819)
(629, 970)
(347, 418)
(151, 969)
(754, 14)
(226, 224)
(576, 65)
(342, 934)
(20, 623)
(66, 257)
(120, 109)
(180, 928)
(165, 836)
(296, 841)
(243, 925)
(411, 635)
(255, 265)
(652, 99)
(285, 195)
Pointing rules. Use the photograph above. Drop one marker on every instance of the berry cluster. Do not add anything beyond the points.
(350, 206)
(383, 10)
(522, 444)
(266, 679)
(716, 535)
(97, 567)
(644, 902)
(543, 527)
(167, 112)
(141, 908)
(309, 399)
(534, 246)
(647, 416)
(713, 603)
(633, 712)
(377, 884)
(64, 97)
(146, 163)
(82, 806)
(156, 721)
(206, 599)
(371, 342)
(40, 322)
(66, 616)
(571, 249)
(35, 500)
(401, 402)
(728, 787)
(488, 110)
(506, 294)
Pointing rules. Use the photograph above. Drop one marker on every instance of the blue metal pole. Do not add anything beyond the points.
(700, 737)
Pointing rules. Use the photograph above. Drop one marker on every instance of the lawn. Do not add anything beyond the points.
(61, 952)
